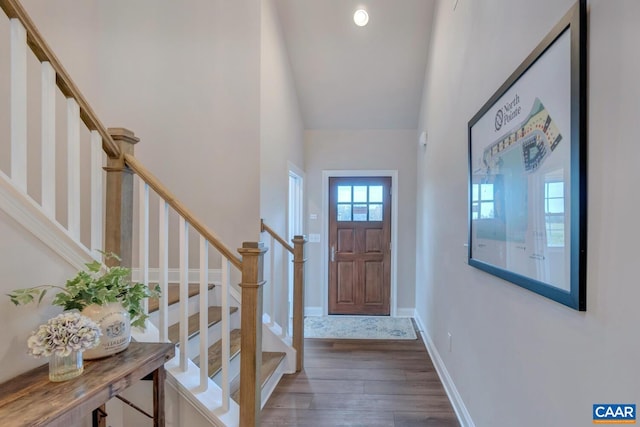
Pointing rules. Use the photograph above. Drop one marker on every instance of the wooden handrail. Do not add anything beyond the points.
(165, 194)
(264, 227)
(42, 51)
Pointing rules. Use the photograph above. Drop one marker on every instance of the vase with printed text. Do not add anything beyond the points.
(115, 324)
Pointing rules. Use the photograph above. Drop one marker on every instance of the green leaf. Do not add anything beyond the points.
(97, 285)
(42, 294)
(94, 266)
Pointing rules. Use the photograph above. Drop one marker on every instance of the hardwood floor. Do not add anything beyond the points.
(361, 383)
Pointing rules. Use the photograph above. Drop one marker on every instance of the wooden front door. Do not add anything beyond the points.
(359, 245)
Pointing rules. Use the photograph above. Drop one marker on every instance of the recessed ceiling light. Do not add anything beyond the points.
(361, 17)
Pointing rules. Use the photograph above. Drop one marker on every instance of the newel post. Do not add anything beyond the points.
(251, 327)
(298, 299)
(119, 200)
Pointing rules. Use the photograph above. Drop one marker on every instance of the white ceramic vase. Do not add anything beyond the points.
(115, 324)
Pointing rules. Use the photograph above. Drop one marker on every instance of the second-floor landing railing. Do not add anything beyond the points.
(281, 293)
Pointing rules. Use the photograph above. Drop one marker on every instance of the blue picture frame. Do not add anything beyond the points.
(527, 219)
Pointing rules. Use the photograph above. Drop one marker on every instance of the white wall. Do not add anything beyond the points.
(41, 267)
(362, 150)
(185, 77)
(281, 127)
(24, 260)
(281, 142)
(518, 358)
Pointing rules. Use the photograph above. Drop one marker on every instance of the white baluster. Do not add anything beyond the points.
(284, 292)
(97, 194)
(49, 140)
(163, 266)
(290, 272)
(272, 282)
(18, 105)
(225, 326)
(143, 245)
(204, 313)
(184, 291)
(73, 168)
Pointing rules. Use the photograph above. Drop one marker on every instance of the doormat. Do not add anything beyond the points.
(359, 327)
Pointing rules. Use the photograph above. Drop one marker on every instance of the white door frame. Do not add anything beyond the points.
(298, 174)
(324, 248)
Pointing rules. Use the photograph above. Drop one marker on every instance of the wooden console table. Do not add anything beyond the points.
(31, 399)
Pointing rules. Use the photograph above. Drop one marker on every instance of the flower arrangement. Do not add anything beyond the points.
(63, 334)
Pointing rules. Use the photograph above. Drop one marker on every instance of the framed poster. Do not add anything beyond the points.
(527, 170)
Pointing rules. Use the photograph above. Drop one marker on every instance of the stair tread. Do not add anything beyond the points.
(270, 362)
(215, 316)
(215, 352)
(174, 295)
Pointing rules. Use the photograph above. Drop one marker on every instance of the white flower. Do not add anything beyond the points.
(67, 332)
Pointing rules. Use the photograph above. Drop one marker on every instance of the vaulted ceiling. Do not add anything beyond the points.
(350, 77)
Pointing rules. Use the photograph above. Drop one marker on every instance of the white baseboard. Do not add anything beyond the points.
(24, 210)
(215, 275)
(313, 311)
(456, 400)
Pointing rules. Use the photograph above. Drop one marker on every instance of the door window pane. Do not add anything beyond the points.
(375, 212)
(360, 202)
(482, 206)
(555, 205)
(375, 193)
(486, 210)
(555, 189)
(360, 194)
(344, 193)
(486, 192)
(344, 212)
(555, 231)
(359, 212)
(554, 213)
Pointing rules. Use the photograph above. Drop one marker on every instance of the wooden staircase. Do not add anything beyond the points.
(270, 359)
(173, 295)
(113, 173)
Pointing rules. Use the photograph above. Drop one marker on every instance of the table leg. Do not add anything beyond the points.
(159, 376)
(99, 417)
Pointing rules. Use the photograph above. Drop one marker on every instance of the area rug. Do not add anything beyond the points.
(359, 327)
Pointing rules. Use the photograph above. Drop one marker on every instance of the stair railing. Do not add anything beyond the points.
(251, 268)
(70, 232)
(114, 210)
(279, 289)
(207, 238)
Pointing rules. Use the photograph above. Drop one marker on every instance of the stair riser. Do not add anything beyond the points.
(214, 334)
(272, 382)
(234, 371)
(174, 309)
